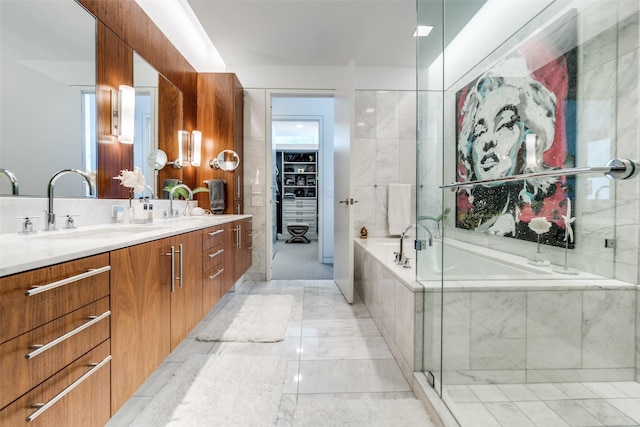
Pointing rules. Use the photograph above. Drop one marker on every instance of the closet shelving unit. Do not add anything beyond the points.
(299, 189)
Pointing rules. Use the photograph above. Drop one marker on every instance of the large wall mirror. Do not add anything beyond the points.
(145, 81)
(48, 108)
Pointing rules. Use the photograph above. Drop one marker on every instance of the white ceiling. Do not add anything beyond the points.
(376, 33)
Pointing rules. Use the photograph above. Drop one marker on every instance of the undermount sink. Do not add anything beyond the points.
(103, 233)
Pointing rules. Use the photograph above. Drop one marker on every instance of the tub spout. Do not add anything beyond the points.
(400, 258)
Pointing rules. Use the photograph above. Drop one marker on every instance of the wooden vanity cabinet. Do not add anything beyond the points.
(186, 296)
(55, 324)
(214, 253)
(140, 319)
(157, 300)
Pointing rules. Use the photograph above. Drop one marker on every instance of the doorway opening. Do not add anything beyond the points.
(302, 168)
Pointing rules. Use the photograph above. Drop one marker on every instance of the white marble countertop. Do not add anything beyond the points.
(22, 252)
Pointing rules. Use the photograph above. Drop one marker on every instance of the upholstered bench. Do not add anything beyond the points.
(298, 231)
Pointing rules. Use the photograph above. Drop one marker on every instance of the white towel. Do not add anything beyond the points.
(399, 208)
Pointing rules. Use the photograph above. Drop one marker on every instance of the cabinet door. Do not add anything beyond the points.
(140, 318)
(186, 298)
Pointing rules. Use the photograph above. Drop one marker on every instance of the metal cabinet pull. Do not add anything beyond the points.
(91, 272)
(213, 233)
(239, 246)
(44, 406)
(238, 186)
(41, 348)
(172, 254)
(219, 272)
(180, 261)
(218, 252)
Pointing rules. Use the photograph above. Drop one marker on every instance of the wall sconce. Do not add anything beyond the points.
(123, 104)
(189, 149)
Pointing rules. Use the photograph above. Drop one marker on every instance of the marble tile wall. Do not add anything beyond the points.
(383, 152)
(396, 310)
(537, 336)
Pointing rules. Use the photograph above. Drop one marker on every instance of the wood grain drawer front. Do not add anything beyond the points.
(74, 284)
(212, 257)
(34, 356)
(212, 236)
(76, 396)
(211, 286)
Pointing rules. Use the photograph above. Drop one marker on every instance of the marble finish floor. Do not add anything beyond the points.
(333, 350)
(553, 404)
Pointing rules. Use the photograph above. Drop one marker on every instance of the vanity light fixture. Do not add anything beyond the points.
(189, 149)
(123, 103)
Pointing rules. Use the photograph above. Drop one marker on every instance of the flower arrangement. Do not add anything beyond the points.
(134, 180)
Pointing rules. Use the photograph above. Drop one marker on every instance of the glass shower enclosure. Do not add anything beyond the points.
(531, 289)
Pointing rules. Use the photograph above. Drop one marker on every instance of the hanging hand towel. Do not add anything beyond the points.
(216, 195)
(399, 208)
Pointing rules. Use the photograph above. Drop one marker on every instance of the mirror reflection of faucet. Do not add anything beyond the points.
(172, 213)
(15, 188)
(50, 216)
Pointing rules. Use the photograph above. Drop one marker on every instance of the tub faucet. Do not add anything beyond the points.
(400, 258)
(50, 216)
(175, 213)
(15, 190)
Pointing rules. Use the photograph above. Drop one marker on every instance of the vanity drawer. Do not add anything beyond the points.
(212, 236)
(85, 402)
(212, 285)
(212, 256)
(34, 356)
(72, 285)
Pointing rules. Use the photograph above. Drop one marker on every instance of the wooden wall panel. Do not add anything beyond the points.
(190, 123)
(115, 67)
(127, 19)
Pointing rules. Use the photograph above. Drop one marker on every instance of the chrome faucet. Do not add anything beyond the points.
(400, 258)
(50, 216)
(15, 190)
(175, 213)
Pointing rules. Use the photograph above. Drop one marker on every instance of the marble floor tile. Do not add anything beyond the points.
(339, 327)
(547, 391)
(476, 415)
(288, 349)
(337, 312)
(331, 348)
(572, 413)
(489, 393)
(508, 414)
(279, 287)
(630, 388)
(541, 415)
(606, 390)
(157, 380)
(629, 407)
(605, 412)
(188, 347)
(517, 392)
(460, 393)
(129, 411)
(351, 376)
(576, 390)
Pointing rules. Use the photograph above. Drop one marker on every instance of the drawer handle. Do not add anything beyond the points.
(219, 272)
(44, 406)
(249, 234)
(91, 272)
(213, 233)
(40, 348)
(218, 252)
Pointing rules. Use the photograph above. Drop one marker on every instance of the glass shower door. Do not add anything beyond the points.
(530, 295)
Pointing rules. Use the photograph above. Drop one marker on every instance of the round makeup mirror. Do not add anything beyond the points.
(157, 159)
(227, 160)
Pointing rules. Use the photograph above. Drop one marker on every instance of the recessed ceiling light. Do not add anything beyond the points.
(422, 31)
